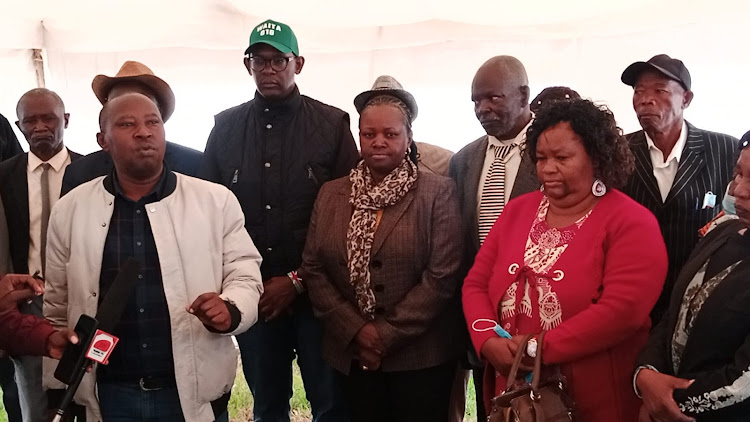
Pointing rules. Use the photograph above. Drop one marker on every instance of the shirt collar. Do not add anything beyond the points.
(164, 187)
(520, 139)
(57, 162)
(676, 153)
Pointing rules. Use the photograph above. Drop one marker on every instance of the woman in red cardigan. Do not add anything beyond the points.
(578, 259)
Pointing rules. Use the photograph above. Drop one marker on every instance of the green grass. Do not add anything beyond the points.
(3, 415)
(241, 403)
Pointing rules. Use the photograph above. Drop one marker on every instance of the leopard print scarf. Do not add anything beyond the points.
(367, 199)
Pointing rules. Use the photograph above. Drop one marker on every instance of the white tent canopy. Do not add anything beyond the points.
(432, 47)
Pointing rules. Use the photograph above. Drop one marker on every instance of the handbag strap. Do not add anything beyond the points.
(517, 362)
(536, 378)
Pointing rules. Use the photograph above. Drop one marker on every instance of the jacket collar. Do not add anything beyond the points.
(164, 187)
(289, 104)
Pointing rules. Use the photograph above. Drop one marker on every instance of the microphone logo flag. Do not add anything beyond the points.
(101, 347)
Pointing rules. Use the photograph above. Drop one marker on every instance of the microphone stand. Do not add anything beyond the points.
(70, 392)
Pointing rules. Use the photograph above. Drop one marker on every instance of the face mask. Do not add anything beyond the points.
(494, 326)
(728, 203)
(490, 325)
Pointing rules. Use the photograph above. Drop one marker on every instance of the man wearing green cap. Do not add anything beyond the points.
(274, 152)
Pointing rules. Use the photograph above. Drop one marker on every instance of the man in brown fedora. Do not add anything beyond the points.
(274, 152)
(132, 77)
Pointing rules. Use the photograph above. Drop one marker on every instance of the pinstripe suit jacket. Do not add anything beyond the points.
(415, 255)
(706, 165)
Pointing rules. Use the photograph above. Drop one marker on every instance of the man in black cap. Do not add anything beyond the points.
(274, 152)
(680, 171)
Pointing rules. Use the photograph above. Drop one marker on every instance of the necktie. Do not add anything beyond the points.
(45, 214)
(493, 195)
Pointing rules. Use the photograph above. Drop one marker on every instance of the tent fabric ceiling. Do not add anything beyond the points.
(432, 47)
(96, 26)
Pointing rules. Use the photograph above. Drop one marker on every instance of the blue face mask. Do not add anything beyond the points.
(494, 326)
(728, 203)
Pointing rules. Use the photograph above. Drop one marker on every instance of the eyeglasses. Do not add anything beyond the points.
(278, 63)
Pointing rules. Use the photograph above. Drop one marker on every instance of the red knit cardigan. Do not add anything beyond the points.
(613, 268)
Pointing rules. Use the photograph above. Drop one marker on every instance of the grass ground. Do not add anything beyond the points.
(241, 404)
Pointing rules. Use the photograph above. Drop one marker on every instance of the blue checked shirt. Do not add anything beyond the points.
(145, 347)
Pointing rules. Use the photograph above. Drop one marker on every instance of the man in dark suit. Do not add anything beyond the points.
(29, 187)
(132, 77)
(681, 172)
(9, 147)
(500, 92)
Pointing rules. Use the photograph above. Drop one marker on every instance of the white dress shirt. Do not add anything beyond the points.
(666, 170)
(512, 162)
(34, 177)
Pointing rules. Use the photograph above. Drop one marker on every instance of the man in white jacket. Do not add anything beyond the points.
(199, 281)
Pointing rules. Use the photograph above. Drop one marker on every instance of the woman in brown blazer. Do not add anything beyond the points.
(380, 265)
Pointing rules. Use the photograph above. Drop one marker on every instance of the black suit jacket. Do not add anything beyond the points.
(178, 158)
(465, 169)
(9, 146)
(14, 191)
(706, 165)
(717, 352)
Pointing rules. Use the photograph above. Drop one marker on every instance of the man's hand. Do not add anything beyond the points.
(57, 341)
(501, 352)
(212, 311)
(657, 389)
(278, 294)
(15, 287)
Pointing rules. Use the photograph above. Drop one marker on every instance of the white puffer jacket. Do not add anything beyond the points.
(203, 246)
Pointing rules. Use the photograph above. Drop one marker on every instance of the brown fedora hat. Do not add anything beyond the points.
(138, 72)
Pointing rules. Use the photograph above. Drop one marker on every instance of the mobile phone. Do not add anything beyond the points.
(74, 358)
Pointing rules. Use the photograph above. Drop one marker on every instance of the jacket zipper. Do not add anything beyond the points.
(234, 178)
(311, 175)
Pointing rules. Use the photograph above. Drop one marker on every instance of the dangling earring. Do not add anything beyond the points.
(541, 188)
(599, 188)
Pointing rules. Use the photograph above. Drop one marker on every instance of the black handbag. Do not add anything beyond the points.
(540, 401)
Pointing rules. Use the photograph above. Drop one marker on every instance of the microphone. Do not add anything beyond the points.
(95, 343)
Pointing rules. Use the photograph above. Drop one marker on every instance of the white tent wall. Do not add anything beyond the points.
(197, 47)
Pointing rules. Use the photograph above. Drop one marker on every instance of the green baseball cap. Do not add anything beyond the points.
(276, 34)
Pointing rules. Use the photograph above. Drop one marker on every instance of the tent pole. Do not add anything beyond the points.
(38, 67)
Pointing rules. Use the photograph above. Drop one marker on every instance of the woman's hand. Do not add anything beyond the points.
(369, 347)
(643, 415)
(369, 359)
(657, 389)
(501, 352)
(368, 338)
